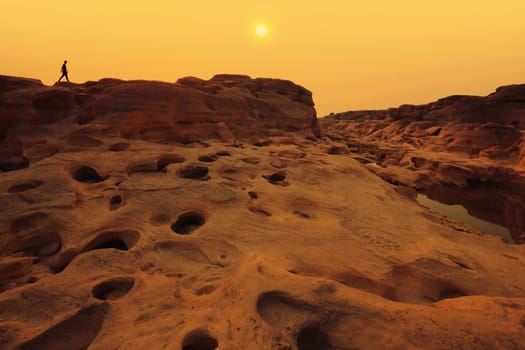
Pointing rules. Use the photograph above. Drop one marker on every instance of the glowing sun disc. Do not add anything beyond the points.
(261, 30)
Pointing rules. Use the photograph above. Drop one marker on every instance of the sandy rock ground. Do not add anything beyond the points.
(284, 242)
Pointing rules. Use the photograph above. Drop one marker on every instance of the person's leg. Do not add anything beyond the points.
(66, 77)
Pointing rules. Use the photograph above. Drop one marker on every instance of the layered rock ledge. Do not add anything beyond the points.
(226, 107)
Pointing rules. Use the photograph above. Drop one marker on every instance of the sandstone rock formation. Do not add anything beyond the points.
(128, 224)
(460, 149)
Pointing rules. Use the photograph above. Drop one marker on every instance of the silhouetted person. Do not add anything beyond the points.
(64, 72)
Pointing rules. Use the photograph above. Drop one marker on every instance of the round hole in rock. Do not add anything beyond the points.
(199, 340)
(312, 338)
(115, 244)
(207, 159)
(113, 289)
(276, 177)
(115, 202)
(194, 172)
(187, 223)
(121, 240)
(87, 174)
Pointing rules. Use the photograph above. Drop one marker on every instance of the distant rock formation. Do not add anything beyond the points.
(458, 142)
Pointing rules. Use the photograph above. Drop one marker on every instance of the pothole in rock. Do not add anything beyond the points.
(188, 223)
(167, 159)
(112, 244)
(312, 338)
(277, 178)
(415, 286)
(208, 289)
(142, 166)
(194, 173)
(207, 159)
(115, 202)
(26, 186)
(223, 154)
(199, 340)
(113, 289)
(121, 240)
(87, 174)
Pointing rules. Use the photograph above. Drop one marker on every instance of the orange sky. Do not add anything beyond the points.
(351, 54)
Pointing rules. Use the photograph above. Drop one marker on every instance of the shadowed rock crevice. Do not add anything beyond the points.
(87, 174)
(194, 173)
(312, 338)
(74, 333)
(26, 186)
(113, 289)
(121, 240)
(207, 159)
(167, 159)
(187, 223)
(199, 340)
(259, 211)
(115, 202)
(277, 178)
(11, 163)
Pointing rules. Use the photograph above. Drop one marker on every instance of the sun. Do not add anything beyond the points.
(261, 30)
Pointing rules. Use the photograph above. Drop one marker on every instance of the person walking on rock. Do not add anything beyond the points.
(64, 72)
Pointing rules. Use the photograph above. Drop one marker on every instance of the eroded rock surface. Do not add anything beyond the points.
(465, 150)
(269, 241)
